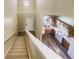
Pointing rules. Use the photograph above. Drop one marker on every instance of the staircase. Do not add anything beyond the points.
(18, 50)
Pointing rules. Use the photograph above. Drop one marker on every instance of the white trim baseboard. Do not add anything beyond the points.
(9, 36)
(10, 44)
(8, 49)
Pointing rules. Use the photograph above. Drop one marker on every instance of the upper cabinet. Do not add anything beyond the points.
(71, 31)
(64, 24)
(67, 20)
(68, 23)
(53, 20)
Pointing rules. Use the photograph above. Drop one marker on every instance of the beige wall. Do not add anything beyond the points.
(21, 21)
(8, 43)
(10, 23)
(56, 7)
(23, 13)
(52, 7)
(20, 14)
(10, 18)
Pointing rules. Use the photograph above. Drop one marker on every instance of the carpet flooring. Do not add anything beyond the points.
(18, 50)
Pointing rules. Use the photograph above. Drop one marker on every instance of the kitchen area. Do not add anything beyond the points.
(62, 29)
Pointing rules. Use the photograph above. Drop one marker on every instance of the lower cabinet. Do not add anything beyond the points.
(50, 31)
(65, 44)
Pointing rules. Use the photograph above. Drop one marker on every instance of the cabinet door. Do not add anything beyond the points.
(65, 44)
(71, 31)
(66, 25)
(58, 23)
(54, 20)
(47, 31)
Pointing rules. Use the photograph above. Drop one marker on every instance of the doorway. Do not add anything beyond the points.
(30, 23)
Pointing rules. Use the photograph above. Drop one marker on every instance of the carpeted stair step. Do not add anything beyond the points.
(18, 50)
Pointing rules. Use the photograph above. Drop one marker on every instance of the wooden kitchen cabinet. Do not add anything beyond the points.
(47, 31)
(71, 31)
(50, 31)
(66, 25)
(54, 20)
(65, 44)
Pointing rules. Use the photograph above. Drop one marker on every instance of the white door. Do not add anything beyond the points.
(30, 23)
